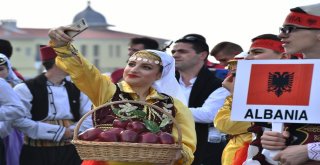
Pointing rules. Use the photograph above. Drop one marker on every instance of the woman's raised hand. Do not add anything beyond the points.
(59, 37)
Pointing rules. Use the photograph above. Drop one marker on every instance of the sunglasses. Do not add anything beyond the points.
(291, 28)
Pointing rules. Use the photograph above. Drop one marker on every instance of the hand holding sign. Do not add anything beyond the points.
(272, 148)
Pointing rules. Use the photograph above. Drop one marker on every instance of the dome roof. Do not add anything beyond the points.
(93, 18)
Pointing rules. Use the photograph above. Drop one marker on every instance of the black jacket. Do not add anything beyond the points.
(204, 85)
(39, 91)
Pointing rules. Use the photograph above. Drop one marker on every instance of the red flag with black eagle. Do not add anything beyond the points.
(280, 84)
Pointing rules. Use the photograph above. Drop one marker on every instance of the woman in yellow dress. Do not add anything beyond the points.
(148, 76)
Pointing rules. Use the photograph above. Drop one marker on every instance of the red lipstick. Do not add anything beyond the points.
(132, 76)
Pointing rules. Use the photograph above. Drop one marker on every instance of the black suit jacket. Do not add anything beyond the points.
(204, 85)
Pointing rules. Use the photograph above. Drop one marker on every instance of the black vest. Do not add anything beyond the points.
(40, 102)
(103, 118)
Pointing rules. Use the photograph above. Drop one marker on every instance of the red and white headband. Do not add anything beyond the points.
(269, 44)
(303, 19)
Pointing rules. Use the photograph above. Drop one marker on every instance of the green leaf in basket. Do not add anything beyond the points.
(165, 122)
(124, 118)
(138, 114)
(116, 111)
(151, 126)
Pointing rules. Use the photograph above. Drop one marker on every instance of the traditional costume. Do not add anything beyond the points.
(101, 90)
(51, 109)
(11, 108)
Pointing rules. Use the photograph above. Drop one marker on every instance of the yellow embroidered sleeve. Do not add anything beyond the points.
(189, 140)
(223, 123)
(98, 87)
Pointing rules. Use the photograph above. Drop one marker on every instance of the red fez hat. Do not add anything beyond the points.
(47, 53)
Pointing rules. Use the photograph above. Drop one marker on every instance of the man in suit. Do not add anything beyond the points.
(204, 94)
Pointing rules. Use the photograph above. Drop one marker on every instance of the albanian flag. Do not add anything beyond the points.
(280, 84)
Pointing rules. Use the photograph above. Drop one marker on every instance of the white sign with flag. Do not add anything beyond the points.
(286, 91)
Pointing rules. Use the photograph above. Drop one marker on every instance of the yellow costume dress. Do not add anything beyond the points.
(235, 129)
(100, 89)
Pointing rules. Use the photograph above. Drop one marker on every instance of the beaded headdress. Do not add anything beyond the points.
(146, 56)
(2, 61)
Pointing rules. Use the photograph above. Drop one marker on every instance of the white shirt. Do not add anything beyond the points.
(59, 109)
(187, 89)
(210, 107)
(10, 105)
(314, 151)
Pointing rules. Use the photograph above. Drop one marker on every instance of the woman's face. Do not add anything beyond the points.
(4, 72)
(141, 74)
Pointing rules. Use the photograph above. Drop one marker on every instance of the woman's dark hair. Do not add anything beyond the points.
(147, 42)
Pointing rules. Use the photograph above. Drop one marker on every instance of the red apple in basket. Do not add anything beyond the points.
(116, 130)
(108, 136)
(120, 123)
(165, 138)
(128, 136)
(90, 134)
(148, 137)
(136, 126)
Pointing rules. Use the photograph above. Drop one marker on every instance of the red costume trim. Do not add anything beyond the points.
(241, 154)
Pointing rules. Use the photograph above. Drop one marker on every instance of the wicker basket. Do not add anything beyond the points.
(127, 152)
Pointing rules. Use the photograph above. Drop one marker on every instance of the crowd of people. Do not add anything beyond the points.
(38, 116)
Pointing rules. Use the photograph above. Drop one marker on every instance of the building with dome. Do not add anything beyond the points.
(105, 48)
(94, 19)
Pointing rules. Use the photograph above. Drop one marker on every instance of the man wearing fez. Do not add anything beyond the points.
(53, 105)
